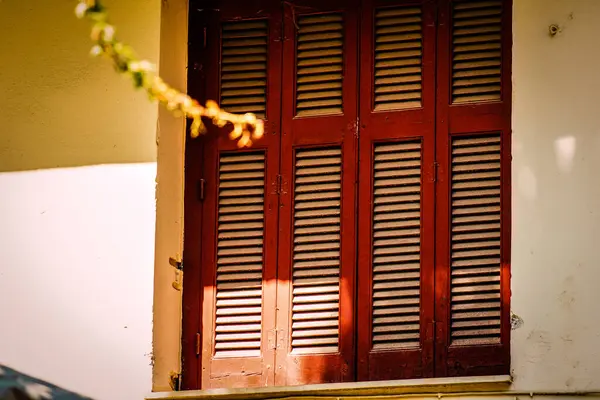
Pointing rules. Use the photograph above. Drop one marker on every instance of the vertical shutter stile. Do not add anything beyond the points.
(317, 210)
(473, 190)
(238, 236)
(395, 196)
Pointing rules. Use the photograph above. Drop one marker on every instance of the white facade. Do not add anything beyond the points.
(556, 195)
(77, 200)
(77, 242)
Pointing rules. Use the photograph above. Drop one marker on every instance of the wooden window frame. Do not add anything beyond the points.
(448, 118)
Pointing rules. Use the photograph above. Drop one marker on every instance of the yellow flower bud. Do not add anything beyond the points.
(109, 32)
(250, 118)
(244, 140)
(259, 129)
(96, 51)
(81, 9)
(236, 132)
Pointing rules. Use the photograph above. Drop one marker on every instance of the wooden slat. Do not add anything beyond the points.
(239, 254)
(475, 243)
(316, 251)
(476, 48)
(319, 72)
(398, 58)
(244, 66)
(396, 245)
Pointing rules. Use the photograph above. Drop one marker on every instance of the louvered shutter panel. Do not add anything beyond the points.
(317, 214)
(473, 188)
(238, 237)
(475, 237)
(320, 64)
(244, 66)
(240, 233)
(398, 57)
(396, 233)
(316, 251)
(237, 296)
(476, 48)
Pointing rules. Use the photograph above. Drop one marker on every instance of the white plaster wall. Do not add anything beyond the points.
(77, 200)
(76, 277)
(556, 195)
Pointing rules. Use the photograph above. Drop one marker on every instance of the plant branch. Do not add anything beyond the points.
(245, 127)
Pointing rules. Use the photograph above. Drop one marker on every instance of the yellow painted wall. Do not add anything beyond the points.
(169, 205)
(77, 200)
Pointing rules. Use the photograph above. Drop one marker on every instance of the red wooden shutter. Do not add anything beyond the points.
(473, 203)
(396, 191)
(239, 232)
(317, 212)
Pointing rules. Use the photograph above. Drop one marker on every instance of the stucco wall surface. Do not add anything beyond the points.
(77, 200)
(556, 195)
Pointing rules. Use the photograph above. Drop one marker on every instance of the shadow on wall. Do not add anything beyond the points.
(15, 385)
(61, 108)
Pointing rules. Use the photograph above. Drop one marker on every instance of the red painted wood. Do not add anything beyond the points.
(505, 173)
(299, 132)
(442, 209)
(456, 120)
(243, 371)
(434, 123)
(192, 212)
(395, 126)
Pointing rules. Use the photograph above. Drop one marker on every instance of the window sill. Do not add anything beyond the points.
(339, 390)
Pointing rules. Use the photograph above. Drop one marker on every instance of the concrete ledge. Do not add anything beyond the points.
(480, 384)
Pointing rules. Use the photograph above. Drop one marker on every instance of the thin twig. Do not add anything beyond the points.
(245, 127)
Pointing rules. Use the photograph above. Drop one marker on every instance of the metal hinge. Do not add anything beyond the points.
(353, 127)
(175, 381)
(201, 184)
(278, 184)
(176, 263)
(275, 338)
(198, 343)
(278, 34)
(272, 339)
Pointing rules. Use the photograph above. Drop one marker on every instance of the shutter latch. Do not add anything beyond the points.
(279, 184)
(354, 127)
(201, 184)
(198, 343)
